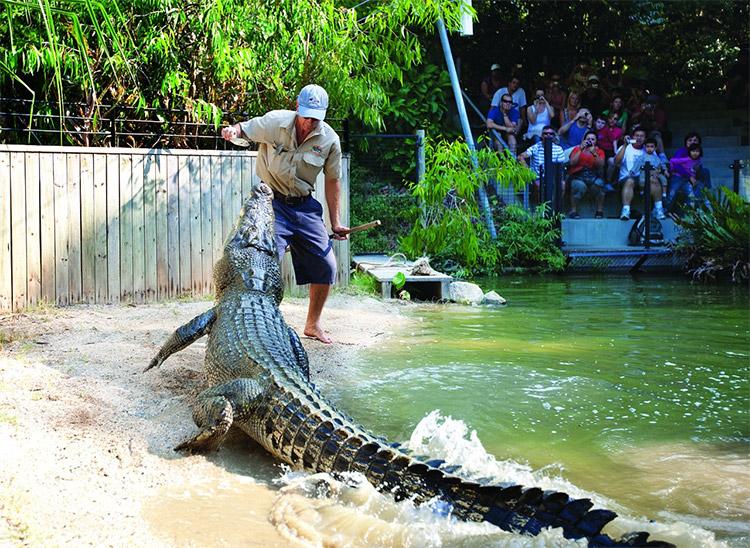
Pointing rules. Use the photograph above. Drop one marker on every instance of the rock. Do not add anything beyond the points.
(493, 299)
(466, 293)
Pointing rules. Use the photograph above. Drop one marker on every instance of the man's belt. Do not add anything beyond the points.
(290, 200)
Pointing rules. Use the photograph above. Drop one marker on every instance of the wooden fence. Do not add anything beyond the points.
(108, 225)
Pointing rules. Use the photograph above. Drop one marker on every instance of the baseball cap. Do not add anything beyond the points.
(593, 77)
(653, 98)
(313, 102)
(496, 66)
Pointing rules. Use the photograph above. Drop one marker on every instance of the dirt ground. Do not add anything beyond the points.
(86, 437)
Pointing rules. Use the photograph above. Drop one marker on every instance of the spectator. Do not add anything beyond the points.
(579, 76)
(626, 158)
(514, 89)
(686, 175)
(539, 115)
(609, 137)
(585, 174)
(617, 106)
(533, 157)
(572, 106)
(572, 132)
(635, 72)
(694, 138)
(737, 86)
(594, 97)
(505, 120)
(651, 117)
(490, 84)
(557, 97)
(658, 175)
(638, 95)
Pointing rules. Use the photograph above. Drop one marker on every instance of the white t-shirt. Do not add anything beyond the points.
(519, 97)
(628, 161)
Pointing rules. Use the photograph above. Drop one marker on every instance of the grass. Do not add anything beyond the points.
(361, 283)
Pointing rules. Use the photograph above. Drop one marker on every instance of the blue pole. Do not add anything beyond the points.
(484, 202)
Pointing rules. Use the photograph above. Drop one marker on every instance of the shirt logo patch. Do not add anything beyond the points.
(317, 150)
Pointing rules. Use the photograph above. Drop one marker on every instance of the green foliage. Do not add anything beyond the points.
(361, 283)
(716, 236)
(686, 45)
(371, 199)
(224, 55)
(447, 225)
(530, 239)
(399, 279)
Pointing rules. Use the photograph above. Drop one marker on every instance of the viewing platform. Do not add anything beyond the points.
(602, 244)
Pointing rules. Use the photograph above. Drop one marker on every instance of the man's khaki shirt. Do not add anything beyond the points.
(286, 167)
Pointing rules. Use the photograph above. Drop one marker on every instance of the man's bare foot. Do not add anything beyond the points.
(316, 332)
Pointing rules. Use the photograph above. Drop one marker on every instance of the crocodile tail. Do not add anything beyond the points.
(511, 507)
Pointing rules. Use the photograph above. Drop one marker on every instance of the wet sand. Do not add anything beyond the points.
(87, 437)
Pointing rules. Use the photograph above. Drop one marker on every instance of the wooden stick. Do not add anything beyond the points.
(360, 227)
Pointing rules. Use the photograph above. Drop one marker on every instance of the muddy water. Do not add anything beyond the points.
(632, 392)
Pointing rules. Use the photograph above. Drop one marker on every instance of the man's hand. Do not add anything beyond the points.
(230, 132)
(337, 232)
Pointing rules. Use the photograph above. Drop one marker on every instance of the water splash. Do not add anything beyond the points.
(318, 510)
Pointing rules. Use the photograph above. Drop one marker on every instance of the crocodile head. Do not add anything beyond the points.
(250, 256)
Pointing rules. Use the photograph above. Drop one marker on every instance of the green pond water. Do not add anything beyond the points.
(632, 388)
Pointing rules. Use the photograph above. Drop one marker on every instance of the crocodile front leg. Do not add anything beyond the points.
(184, 336)
(215, 411)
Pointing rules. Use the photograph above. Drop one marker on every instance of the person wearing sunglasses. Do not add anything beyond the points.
(533, 157)
(505, 119)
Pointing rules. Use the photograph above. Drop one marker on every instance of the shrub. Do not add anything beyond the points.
(716, 236)
(448, 226)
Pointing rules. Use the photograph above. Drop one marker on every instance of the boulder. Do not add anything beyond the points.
(466, 293)
(493, 299)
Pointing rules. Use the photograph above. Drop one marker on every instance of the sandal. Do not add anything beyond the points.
(598, 215)
(573, 215)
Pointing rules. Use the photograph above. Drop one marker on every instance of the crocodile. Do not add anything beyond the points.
(258, 376)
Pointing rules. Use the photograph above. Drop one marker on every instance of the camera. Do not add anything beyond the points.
(588, 143)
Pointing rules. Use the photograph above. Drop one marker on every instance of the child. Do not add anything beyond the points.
(659, 173)
(687, 174)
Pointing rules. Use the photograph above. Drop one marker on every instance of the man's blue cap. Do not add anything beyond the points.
(313, 102)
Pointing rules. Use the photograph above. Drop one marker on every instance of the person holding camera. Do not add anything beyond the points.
(539, 115)
(556, 96)
(627, 158)
(651, 117)
(572, 132)
(533, 157)
(585, 174)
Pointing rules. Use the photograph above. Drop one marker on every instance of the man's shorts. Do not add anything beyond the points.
(301, 227)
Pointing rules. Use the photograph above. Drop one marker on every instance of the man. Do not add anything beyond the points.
(505, 120)
(594, 97)
(294, 148)
(533, 157)
(651, 117)
(514, 89)
(626, 158)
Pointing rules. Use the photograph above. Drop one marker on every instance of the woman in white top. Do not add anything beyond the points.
(539, 115)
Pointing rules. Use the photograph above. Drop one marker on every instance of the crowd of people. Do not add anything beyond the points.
(606, 126)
